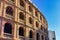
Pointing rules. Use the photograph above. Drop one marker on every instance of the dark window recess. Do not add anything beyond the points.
(37, 24)
(36, 14)
(12, 0)
(30, 9)
(9, 10)
(37, 36)
(21, 16)
(30, 20)
(41, 27)
(8, 28)
(30, 34)
(21, 3)
(40, 17)
(21, 31)
(53, 38)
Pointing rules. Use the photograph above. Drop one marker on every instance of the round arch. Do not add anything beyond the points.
(8, 28)
(30, 20)
(21, 31)
(9, 10)
(30, 34)
(21, 16)
(22, 3)
(37, 36)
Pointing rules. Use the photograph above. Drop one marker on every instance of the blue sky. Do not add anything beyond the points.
(51, 10)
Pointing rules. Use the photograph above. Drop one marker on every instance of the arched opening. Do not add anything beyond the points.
(37, 36)
(8, 28)
(31, 34)
(9, 10)
(37, 25)
(12, 0)
(21, 3)
(40, 17)
(36, 13)
(30, 9)
(21, 15)
(30, 20)
(21, 31)
(41, 27)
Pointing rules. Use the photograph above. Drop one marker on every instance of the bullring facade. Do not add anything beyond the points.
(21, 20)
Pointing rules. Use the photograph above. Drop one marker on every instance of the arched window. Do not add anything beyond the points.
(31, 34)
(30, 9)
(44, 29)
(37, 25)
(41, 18)
(36, 14)
(21, 3)
(8, 28)
(37, 36)
(21, 31)
(41, 27)
(9, 10)
(30, 20)
(21, 15)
